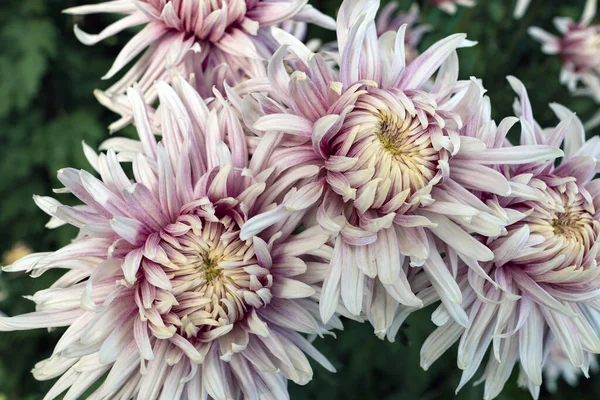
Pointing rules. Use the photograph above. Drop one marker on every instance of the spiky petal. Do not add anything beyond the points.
(211, 40)
(395, 160)
(161, 294)
(546, 266)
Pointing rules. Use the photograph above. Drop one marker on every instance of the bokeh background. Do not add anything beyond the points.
(47, 109)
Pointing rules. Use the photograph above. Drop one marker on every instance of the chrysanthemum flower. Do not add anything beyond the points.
(161, 294)
(578, 47)
(394, 161)
(450, 6)
(192, 37)
(389, 20)
(546, 266)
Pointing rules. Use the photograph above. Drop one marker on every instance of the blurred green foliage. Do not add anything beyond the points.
(47, 109)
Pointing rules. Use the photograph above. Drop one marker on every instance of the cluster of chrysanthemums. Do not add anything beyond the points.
(278, 187)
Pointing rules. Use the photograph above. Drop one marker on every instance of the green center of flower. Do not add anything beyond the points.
(393, 134)
(571, 224)
(409, 145)
(211, 269)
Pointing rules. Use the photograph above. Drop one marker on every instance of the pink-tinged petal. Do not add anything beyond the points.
(102, 195)
(236, 138)
(237, 43)
(340, 184)
(526, 112)
(510, 247)
(574, 137)
(438, 342)
(389, 263)
(145, 207)
(290, 315)
(272, 13)
(291, 289)
(142, 123)
(148, 35)
(538, 294)
(413, 242)
(287, 123)
(111, 30)
(262, 221)
(190, 351)
(330, 293)
(482, 179)
(352, 280)
(352, 53)
(42, 319)
(561, 327)
(129, 229)
(156, 275)
(392, 77)
(115, 6)
(531, 350)
(383, 309)
(166, 185)
(116, 342)
(421, 69)
(323, 131)
(214, 377)
(456, 237)
(142, 340)
(295, 45)
(512, 155)
(131, 264)
(277, 73)
(307, 196)
(356, 236)
(447, 76)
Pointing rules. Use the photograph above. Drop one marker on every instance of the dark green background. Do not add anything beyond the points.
(47, 109)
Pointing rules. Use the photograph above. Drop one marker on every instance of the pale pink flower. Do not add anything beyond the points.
(389, 20)
(394, 161)
(545, 267)
(578, 47)
(450, 6)
(191, 37)
(161, 294)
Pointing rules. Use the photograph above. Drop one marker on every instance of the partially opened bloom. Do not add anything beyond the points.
(394, 162)
(161, 294)
(578, 47)
(192, 37)
(389, 20)
(546, 266)
(450, 6)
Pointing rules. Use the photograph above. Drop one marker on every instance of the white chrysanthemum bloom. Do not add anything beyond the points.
(450, 6)
(161, 294)
(394, 159)
(578, 47)
(546, 266)
(211, 39)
